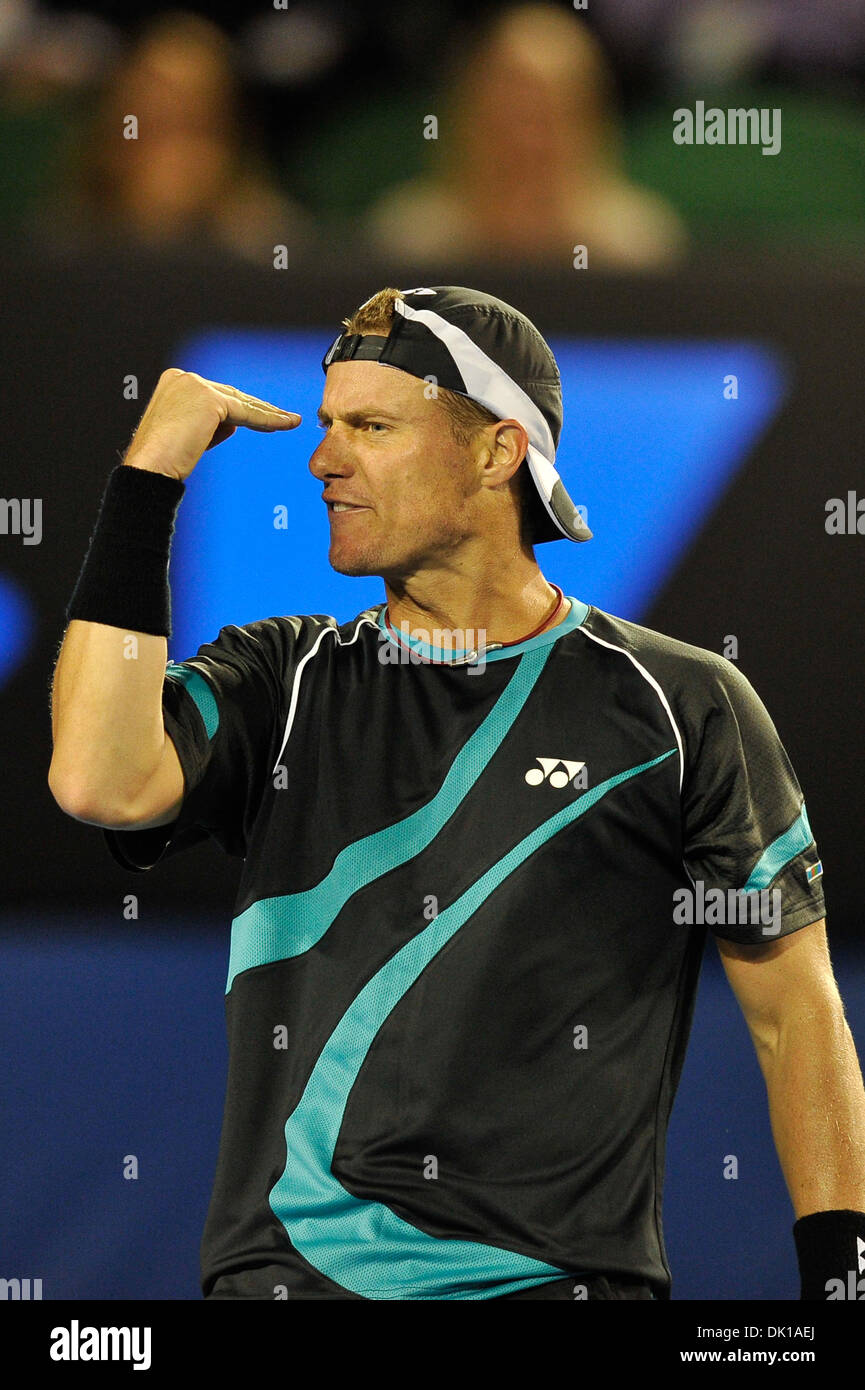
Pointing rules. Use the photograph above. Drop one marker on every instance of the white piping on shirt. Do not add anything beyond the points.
(295, 689)
(654, 684)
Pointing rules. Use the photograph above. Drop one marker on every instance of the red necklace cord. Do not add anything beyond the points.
(517, 640)
(542, 625)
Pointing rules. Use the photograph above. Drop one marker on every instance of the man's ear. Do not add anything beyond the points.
(508, 442)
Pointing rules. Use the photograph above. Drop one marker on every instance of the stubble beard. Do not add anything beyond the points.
(385, 560)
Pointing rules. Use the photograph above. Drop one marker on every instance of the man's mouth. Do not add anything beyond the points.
(333, 506)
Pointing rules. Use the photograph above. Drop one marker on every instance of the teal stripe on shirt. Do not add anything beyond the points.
(780, 852)
(289, 924)
(361, 1244)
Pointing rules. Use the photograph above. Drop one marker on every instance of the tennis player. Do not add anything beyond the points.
(485, 827)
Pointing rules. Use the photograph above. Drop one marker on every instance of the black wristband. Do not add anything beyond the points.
(830, 1246)
(124, 578)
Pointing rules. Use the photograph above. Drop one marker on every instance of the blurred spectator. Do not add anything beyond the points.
(46, 62)
(191, 178)
(739, 40)
(803, 59)
(527, 161)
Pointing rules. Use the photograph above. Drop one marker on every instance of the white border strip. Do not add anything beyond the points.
(654, 684)
(295, 689)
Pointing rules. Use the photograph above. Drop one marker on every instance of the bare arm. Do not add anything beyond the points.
(113, 763)
(790, 1000)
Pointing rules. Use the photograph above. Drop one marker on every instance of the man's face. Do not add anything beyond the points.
(389, 454)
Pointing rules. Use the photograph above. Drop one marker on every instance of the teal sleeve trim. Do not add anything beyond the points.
(199, 692)
(780, 852)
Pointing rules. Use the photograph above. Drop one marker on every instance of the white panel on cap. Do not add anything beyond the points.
(420, 291)
(545, 477)
(543, 470)
(486, 381)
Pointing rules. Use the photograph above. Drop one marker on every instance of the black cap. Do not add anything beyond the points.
(483, 348)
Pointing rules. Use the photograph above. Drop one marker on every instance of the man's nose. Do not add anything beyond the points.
(332, 458)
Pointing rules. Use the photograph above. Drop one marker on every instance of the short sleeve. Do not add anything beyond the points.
(745, 824)
(223, 710)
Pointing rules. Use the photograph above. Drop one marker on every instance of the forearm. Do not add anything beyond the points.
(112, 763)
(817, 1108)
(106, 713)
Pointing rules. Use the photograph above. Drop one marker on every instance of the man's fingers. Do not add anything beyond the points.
(255, 413)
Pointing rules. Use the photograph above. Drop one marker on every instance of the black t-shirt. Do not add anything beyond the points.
(467, 940)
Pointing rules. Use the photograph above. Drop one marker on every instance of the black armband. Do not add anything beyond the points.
(830, 1246)
(124, 578)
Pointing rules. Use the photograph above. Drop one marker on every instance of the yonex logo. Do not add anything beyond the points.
(557, 771)
(422, 290)
(860, 1252)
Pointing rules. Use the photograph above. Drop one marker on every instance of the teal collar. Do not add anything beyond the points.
(574, 619)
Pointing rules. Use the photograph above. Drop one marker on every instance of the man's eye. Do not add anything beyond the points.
(376, 425)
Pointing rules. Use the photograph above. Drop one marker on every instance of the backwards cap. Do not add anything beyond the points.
(480, 347)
